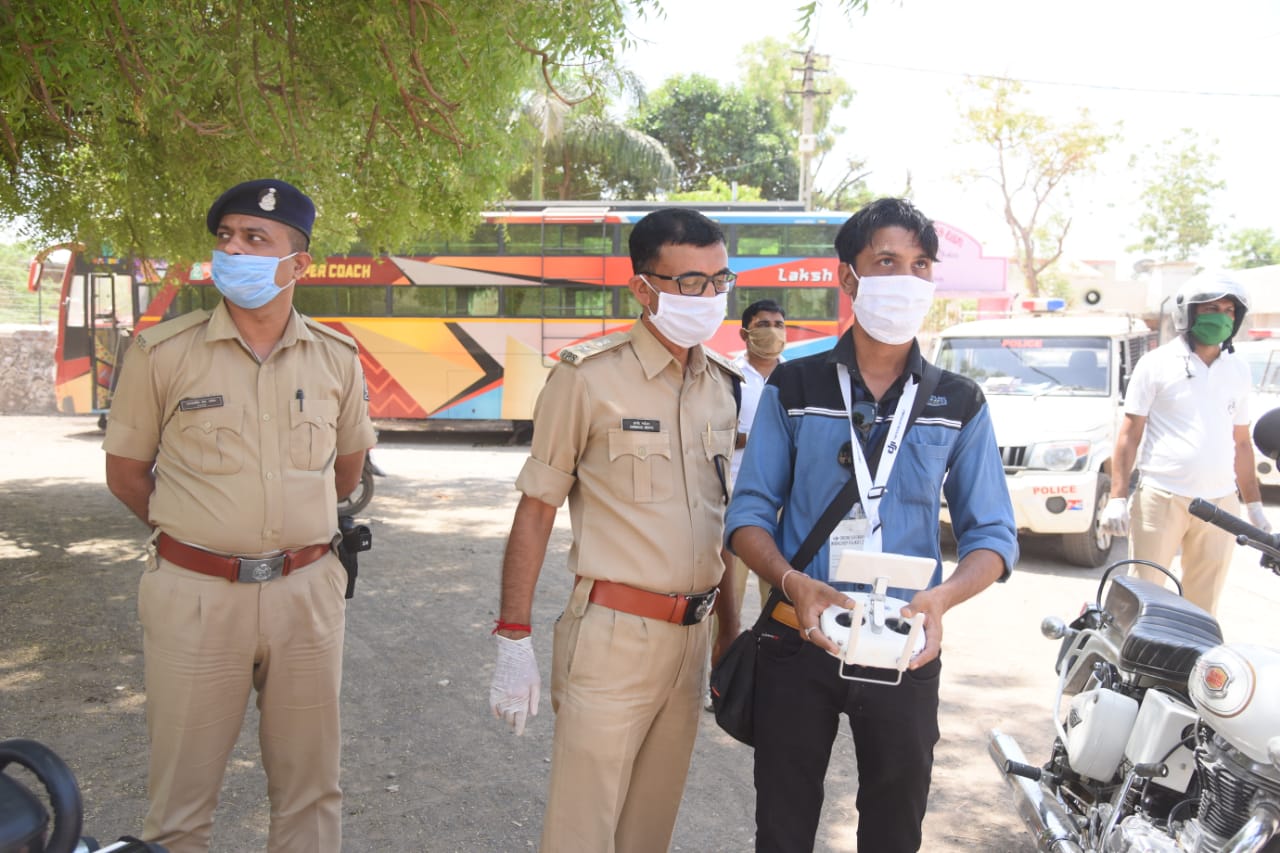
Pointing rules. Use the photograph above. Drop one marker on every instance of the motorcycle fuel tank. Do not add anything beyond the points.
(1236, 688)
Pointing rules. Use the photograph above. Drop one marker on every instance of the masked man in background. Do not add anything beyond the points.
(1186, 425)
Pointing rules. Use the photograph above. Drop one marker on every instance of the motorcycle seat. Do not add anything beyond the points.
(1162, 632)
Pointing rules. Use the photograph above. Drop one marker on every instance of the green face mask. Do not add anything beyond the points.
(1212, 328)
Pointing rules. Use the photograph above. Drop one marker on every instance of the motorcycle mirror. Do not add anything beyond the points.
(1266, 434)
(1053, 628)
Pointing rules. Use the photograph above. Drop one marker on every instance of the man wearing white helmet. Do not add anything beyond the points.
(1186, 425)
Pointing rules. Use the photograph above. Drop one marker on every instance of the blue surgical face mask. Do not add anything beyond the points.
(247, 280)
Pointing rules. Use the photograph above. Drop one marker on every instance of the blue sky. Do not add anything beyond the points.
(1155, 67)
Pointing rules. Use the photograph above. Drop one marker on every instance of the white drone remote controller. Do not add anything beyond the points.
(873, 633)
(882, 639)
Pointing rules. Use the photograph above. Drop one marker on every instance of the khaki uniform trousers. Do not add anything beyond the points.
(1159, 523)
(627, 694)
(206, 642)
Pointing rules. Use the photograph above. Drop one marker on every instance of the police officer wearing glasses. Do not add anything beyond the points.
(635, 430)
(233, 433)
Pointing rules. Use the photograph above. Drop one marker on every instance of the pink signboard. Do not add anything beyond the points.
(962, 268)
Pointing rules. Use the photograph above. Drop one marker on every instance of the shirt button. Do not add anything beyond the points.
(266, 417)
(207, 424)
(270, 475)
(642, 453)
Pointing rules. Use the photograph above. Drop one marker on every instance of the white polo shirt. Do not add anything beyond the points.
(1191, 410)
(752, 387)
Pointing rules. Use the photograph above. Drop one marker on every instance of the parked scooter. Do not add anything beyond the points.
(1169, 738)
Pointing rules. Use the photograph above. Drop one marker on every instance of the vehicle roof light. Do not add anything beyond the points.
(1044, 303)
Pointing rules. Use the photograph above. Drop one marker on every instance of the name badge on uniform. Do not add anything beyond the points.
(850, 533)
(192, 404)
(641, 425)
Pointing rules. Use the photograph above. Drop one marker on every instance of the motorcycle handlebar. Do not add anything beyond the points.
(1268, 543)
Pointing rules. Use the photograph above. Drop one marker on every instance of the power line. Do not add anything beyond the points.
(1036, 82)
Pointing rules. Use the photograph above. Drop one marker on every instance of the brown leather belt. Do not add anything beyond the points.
(674, 607)
(245, 569)
(786, 614)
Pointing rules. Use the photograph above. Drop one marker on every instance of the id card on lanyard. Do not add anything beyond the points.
(861, 530)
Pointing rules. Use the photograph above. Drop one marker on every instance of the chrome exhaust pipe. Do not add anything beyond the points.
(1044, 816)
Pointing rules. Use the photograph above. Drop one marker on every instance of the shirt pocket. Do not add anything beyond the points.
(212, 439)
(641, 465)
(918, 466)
(719, 442)
(313, 434)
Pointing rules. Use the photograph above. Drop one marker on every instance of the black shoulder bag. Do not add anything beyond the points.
(733, 678)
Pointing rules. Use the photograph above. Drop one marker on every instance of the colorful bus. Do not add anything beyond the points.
(467, 330)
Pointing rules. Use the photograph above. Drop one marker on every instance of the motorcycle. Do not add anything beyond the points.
(24, 821)
(1168, 739)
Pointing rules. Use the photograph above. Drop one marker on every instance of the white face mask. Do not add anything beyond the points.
(687, 321)
(891, 308)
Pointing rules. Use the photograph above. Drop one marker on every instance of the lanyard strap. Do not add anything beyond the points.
(872, 491)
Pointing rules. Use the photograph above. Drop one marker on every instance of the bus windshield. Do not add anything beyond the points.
(1078, 366)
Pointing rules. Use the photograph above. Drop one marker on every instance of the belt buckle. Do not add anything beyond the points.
(693, 614)
(255, 570)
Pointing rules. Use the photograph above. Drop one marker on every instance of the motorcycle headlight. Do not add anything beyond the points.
(1059, 455)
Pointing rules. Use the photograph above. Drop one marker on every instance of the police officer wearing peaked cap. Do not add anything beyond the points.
(232, 434)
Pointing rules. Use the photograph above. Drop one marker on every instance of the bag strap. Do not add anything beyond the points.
(848, 494)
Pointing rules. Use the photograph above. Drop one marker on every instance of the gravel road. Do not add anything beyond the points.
(425, 768)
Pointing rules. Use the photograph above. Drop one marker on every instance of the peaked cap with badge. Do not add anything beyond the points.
(267, 198)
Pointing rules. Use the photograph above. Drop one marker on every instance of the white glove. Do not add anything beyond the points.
(1115, 517)
(1257, 517)
(513, 694)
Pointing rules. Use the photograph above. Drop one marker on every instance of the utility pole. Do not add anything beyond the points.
(808, 142)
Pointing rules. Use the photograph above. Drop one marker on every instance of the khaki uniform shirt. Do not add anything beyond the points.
(244, 450)
(631, 440)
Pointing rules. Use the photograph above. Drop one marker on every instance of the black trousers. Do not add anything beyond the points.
(799, 699)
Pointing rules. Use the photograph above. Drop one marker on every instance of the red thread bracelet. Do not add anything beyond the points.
(509, 626)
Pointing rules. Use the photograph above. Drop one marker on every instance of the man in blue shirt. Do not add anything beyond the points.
(799, 457)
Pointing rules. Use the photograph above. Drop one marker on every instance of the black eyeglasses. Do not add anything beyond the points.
(695, 283)
(864, 416)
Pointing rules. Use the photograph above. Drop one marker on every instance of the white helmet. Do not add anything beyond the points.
(1207, 287)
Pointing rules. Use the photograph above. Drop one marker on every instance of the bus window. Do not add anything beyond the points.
(558, 301)
(813, 241)
(192, 297)
(760, 239)
(444, 301)
(588, 238)
(523, 239)
(628, 305)
(799, 303)
(523, 301)
(485, 240)
(361, 301)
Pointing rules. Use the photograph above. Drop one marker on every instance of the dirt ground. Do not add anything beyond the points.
(425, 768)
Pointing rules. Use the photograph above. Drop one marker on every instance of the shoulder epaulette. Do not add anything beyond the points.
(579, 353)
(148, 338)
(317, 326)
(725, 364)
